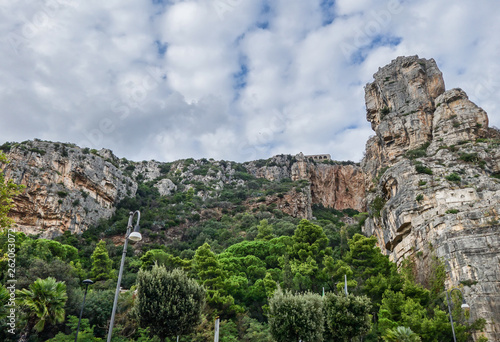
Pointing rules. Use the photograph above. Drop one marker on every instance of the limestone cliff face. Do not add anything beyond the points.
(400, 106)
(435, 192)
(336, 186)
(67, 188)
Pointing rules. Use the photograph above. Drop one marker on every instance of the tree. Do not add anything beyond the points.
(373, 271)
(216, 282)
(401, 334)
(294, 317)
(161, 257)
(346, 316)
(7, 191)
(307, 254)
(265, 231)
(169, 303)
(44, 302)
(101, 263)
(4, 299)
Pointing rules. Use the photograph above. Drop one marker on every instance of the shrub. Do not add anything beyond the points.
(377, 205)
(453, 177)
(469, 157)
(423, 169)
(62, 194)
(418, 152)
(419, 197)
(384, 111)
(496, 175)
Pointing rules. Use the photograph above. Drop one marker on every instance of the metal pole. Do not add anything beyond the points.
(117, 292)
(345, 285)
(451, 318)
(81, 311)
(216, 332)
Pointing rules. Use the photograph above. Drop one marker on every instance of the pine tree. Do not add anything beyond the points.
(101, 263)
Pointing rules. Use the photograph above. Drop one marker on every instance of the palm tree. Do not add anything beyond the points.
(401, 334)
(44, 302)
(4, 299)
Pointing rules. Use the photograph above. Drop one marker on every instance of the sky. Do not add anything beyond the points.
(227, 79)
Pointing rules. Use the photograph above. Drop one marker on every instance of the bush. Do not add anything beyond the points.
(169, 303)
(384, 111)
(62, 194)
(423, 169)
(469, 157)
(453, 177)
(346, 316)
(418, 152)
(377, 205)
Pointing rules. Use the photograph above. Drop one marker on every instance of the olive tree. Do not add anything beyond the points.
(168, 302)
(346, 316)
(294, 317)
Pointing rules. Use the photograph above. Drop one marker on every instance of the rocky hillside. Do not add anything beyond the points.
(69, 188)
(435, 190)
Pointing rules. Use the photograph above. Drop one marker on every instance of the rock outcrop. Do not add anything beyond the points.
(334, 185)
(67, 188)
(435, 191)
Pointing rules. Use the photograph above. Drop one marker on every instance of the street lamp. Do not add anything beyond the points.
(132, 236)
(87, 282)
(463, 306)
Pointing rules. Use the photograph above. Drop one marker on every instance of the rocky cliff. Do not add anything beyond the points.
(435, 189)
(67, 188)
(333, 184)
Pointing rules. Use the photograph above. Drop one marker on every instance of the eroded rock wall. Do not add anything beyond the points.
(67, 188)
(332, 185)
(435, 192)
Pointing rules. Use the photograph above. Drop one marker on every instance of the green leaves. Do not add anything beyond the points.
(169, 303)
(101, 263)
(296, 316)
(346, 316)
(44, 301)
(7, 191)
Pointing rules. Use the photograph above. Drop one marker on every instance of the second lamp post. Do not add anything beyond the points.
(464, 306)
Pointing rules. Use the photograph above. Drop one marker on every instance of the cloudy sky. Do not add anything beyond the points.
(227, 79)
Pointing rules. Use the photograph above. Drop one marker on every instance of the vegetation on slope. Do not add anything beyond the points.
(242, 257)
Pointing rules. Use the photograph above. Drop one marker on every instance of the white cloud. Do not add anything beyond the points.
(92, 72)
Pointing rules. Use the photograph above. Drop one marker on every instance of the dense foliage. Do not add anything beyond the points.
(168, 302)
(259, 270)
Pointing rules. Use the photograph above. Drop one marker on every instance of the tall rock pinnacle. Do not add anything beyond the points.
(434, 192)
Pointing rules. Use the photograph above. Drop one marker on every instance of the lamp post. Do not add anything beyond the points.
(87, 282)
(463, 306)
(132, 236)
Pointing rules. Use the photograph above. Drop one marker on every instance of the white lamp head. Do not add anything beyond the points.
(465, 306)
(135, 235)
